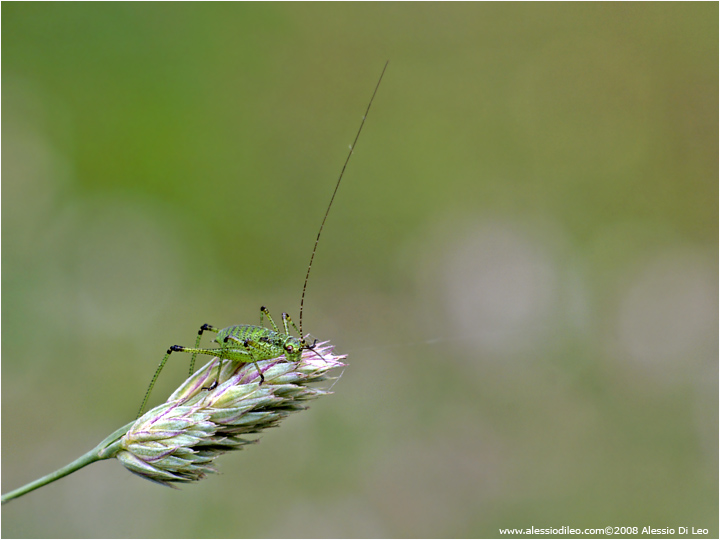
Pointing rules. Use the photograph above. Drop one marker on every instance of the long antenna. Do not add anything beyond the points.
(312, 256)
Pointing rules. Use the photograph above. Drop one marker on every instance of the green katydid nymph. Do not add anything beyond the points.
(250, 344)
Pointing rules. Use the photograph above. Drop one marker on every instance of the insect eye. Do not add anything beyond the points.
(289, 348)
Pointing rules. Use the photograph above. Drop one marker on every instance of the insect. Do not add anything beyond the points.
(247, 344)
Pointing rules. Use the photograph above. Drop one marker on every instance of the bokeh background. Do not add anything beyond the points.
(522, 260)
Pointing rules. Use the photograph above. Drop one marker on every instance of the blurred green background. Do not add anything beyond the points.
(521, 263)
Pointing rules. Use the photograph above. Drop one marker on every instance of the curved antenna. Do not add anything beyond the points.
(352, 147)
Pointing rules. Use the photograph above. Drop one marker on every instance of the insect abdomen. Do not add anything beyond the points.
(242, 332)
(262, 343)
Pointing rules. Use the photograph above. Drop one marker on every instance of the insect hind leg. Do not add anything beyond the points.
(174, 348)
(204, 328)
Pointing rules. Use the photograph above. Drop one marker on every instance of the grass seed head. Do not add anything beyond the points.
(179, 440)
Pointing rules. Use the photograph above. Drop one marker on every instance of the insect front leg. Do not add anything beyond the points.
(265, 311)
(286, 319)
